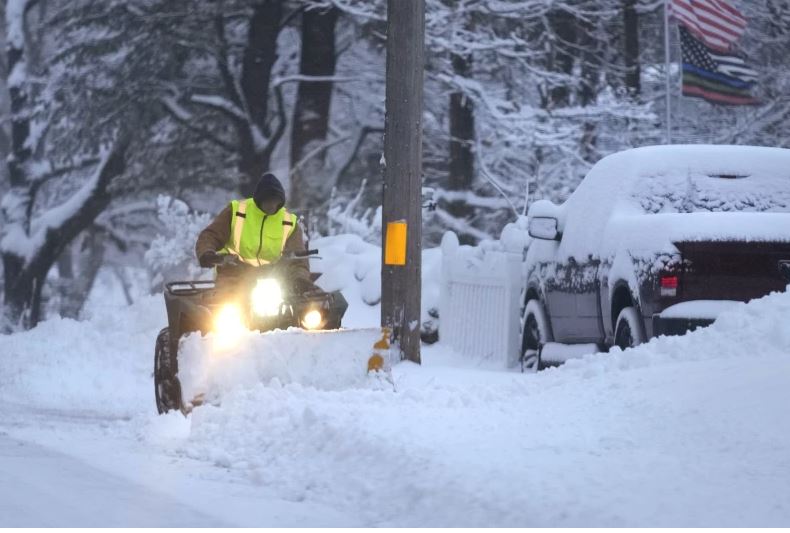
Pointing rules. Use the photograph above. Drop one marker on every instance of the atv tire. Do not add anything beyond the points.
(166, 385)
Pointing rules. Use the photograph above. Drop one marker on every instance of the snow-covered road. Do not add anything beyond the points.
(691, 431)
(45, 488)
(84, 470)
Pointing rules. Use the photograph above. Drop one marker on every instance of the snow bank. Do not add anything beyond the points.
(742, 331)
(353, 266)
(102, 365)
(349, 264)
(680, 431)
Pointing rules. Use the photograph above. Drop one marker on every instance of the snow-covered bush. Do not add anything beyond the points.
(172, 254)
(344, 218)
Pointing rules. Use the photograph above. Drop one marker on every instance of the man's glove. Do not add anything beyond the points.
(210, 259)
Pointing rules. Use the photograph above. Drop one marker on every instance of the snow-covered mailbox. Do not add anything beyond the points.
(479, 307)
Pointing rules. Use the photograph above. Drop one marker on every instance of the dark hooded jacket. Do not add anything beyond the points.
(214, 236)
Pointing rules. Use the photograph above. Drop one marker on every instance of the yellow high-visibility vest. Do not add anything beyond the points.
(255, 237)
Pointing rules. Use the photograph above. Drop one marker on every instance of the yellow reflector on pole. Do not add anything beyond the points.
(395, 246)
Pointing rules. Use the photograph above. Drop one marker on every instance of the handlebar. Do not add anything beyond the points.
(305, 253)
(231, 260)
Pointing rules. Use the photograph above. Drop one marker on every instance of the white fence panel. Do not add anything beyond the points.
(479, 308)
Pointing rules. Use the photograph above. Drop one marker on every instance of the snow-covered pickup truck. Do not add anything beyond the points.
(655, 240)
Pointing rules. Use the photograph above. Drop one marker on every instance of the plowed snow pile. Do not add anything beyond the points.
(686, 431)
(103, 364)
(324, 360)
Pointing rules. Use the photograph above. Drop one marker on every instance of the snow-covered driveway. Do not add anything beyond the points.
(686, 431)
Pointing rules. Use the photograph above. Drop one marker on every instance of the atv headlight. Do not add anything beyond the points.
(267, 297)
(228, 326)
(312, 319)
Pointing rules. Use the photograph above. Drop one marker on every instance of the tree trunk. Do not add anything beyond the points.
(462, 136)
(563, 26)
(311, 110)
(588, 84)
(259, 58)
(260, 55)
(25, 275)
(632, 67)
(75, 290)
(18, 201)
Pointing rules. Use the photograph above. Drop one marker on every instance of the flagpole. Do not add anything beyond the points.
(667, 72)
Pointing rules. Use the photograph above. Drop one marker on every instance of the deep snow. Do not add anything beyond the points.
(688, 431)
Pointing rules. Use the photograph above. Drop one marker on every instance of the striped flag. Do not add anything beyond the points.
(718, 77)
(716, 22)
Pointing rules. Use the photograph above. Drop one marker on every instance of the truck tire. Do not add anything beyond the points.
(629, 330)
(167, 388)
(535, 332)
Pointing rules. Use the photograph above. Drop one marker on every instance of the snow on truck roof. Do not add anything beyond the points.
(713, 159)
(623, 171)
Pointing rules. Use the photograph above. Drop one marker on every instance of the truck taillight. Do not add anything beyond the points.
(669, 285)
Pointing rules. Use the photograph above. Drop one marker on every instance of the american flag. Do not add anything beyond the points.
(719, 78)
(716, 22)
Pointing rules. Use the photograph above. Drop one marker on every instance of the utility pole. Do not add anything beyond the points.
(402, 212)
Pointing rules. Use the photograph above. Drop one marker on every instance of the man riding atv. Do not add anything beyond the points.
(263, 283)
(258, 231)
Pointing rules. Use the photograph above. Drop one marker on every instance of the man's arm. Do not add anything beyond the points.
(215, 235)
(298, 268)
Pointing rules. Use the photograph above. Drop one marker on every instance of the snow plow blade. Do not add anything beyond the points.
(327, 360)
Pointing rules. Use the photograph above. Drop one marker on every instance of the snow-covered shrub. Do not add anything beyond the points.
(172, 252)
(344, 218)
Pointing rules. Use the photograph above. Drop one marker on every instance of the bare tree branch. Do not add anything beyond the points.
(185, 120)
(282, 121)
(56, 172)
(363, 133)
(324, 146)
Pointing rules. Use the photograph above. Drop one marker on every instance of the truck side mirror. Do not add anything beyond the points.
(545, 228)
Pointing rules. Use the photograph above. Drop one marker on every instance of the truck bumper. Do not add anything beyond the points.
(677, 326)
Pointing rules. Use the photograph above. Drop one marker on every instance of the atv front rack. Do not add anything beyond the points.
(188, 288)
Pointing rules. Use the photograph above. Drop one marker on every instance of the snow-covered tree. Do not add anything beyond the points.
(40, 218)
(110, 104)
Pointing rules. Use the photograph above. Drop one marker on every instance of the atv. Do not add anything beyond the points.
(241, 298)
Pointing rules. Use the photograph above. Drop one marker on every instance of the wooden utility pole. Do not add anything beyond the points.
(402, 212)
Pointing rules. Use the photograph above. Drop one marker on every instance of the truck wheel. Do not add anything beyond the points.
(629, 330)
(535, 332)
(166, 385)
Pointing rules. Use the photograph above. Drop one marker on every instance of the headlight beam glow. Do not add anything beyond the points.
(228, 326)
(312, 319)
(267, 297)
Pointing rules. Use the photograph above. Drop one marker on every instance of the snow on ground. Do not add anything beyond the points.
(683, 431)
(352, 265)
